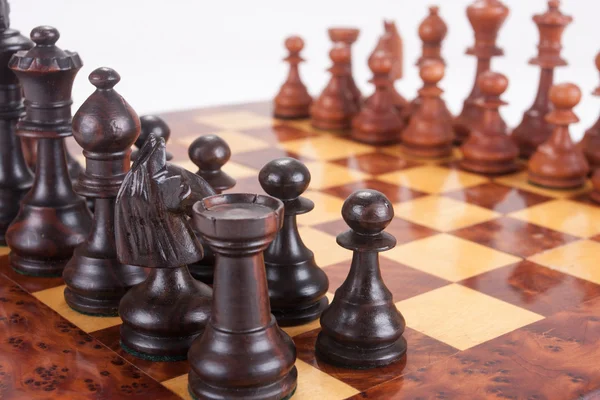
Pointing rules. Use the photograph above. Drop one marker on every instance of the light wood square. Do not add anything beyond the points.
(463, 317)
(55, 299)
(235, 120)
(179, 386)
(442, 213)
(312, 384)
(433, 179)
(235, 170)
(311, 326)
(324, 175)
(238, 142)
(579, 259)
(326, 147)
(4, 250)
(327, 208)
(327, 251)
(574, 218)
(520, 180)
(449, 257)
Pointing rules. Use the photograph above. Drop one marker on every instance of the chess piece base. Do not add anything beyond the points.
(292, 112)
(331, 125)
(299, 316)
(426, 152)
(335, 353)
(556, 183)
(489, 167)
(155, 348)
(89, 294)
(279, 390)
(34, 267)
(595, 196)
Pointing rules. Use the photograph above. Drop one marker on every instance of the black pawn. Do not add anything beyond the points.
(362, 327)
(209, 153)
(152, 124)
(297, 286)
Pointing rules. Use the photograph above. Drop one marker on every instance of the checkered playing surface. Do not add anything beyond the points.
(498, 280)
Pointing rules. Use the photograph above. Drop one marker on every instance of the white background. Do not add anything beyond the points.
(181, 54)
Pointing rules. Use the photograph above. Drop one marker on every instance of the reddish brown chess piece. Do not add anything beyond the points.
(489, 149)
(595, 194)
(534, 129)
(293, 100)
(378, 122)
(486, 18)
(52, 219)
(429, 134)
(348, 36)
(335, 107)
(432, 32)
(391, 41)
(558, 163)
(590, 144)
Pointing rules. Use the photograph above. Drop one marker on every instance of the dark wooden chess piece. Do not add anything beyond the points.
(558, 163)
(297, 286)
(486, 18)
(15, 177)
(243, 354)
(378, 121)
(166, 312)
(590, 144)
(293, 100)
(489, 149)
(52, 220)
(432, 31)
(534, 129)
(152, 124)
(348, 36)
(95, 279)
(209, 153)
(362, 328)
(429, 133)
(335, 107)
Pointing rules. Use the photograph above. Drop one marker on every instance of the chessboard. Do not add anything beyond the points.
(498, 280)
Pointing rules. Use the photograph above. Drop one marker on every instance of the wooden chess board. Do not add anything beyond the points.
(499, 281)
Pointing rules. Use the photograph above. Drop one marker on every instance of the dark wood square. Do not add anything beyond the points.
(514, 236)
(31, 284)
(497, 197)
(554, 358)
(376, 163)
(257, 159)
(403, 230)
(278, 133)
(247, 185)
(393, 192)
(404, 282)
(422, 350)
(161, 371)
(534, 287)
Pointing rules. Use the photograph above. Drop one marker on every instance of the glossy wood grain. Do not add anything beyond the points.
(44, 356)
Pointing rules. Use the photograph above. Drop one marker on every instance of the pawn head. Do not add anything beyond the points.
(104, 78)
(565, 95)
(284, 178)
(155, 125)
(44, 35)
(492, 83)
(367, 212)
(340, 53)
(294, 44)
(209, 152)
(432, 71)
(381, 62)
